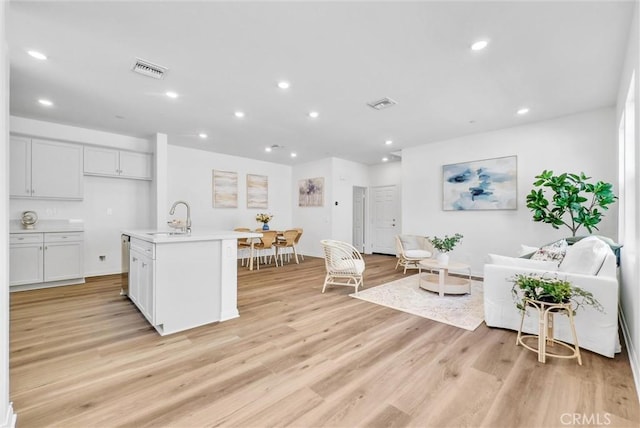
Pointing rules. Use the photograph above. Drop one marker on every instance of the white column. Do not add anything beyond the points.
(160, 209)
(7, 417)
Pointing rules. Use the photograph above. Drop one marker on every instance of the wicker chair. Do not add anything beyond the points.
(344, 264)
(411, 249)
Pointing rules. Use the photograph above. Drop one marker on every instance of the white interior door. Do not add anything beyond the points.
(359, 206)
(386, 216)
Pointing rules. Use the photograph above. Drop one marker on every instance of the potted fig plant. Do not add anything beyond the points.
(574, 201)
(444, 245)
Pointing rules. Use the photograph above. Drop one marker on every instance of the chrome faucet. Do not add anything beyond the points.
(173, 210)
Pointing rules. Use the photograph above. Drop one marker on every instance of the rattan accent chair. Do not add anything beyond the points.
(344, 264)
(411, 249)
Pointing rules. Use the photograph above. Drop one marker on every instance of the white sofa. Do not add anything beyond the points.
(589, 265)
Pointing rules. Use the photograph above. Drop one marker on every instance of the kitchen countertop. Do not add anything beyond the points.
(15, 226)
(197, 234)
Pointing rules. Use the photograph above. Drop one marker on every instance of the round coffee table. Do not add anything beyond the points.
(443, 282)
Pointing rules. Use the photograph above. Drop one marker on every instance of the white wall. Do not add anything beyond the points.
(630, 216)
(583, 142)
(109, 205)
(317, 222)
(345, 175)
(189, 178)
(6, 412)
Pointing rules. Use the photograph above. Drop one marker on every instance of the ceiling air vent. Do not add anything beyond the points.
(382, 104)
(150, 69)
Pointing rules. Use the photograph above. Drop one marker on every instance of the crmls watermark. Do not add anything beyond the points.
(585, 419)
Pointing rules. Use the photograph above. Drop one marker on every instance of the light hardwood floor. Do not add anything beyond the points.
(84, 356)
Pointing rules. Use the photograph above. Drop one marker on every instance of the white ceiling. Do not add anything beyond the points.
(557, 58)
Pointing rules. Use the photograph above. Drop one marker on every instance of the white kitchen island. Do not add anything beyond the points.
(182, 281)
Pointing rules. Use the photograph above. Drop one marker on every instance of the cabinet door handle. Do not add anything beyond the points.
(135, 259)
(27, 191)
(20, 239)
(33, 191)
(46, 247)
(41, 247)
(143, 264)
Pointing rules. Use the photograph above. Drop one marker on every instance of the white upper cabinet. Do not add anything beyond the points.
(117, 163)
(45, 169)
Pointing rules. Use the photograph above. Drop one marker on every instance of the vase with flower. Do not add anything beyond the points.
(264, 219)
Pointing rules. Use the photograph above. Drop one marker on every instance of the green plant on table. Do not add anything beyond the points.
(550, 290)
(446, 244)
(574, 203)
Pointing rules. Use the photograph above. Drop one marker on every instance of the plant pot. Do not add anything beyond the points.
(443, 258)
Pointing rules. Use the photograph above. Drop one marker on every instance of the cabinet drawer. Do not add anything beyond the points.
(63, 237)
(143, 247)
(25, 238)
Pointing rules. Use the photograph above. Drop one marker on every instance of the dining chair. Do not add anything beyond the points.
(266, 243)
(295, 244)
(244, 245)
(287, 240)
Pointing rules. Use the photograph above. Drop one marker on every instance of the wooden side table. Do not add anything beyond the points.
(442, 282)
(545, 337)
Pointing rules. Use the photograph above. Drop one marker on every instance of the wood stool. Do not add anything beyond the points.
(546, 311)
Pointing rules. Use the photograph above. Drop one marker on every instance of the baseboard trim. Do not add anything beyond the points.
(10, 418)
(631, 351)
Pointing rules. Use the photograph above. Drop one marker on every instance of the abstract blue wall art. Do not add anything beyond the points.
(488, 184)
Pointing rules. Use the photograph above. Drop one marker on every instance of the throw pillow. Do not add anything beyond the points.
(554, 252)
(585, 256)
(527, 250)
(548, 265)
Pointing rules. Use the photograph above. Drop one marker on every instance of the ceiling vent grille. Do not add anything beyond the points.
(382, 104)
(150, 69)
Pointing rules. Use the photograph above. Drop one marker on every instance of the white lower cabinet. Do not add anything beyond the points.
(141, 278)
(46, 258)
(26, 253)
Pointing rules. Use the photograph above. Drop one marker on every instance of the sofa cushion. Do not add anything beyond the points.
(585, 256)
(554, 251)
(549, 265)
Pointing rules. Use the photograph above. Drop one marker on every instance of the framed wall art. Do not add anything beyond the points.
(257, 191)
(225, 189)
(311, 192)
(488, 184)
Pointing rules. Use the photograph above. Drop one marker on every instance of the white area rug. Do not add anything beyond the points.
(461, 310)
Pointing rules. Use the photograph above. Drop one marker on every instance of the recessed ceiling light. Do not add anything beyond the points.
(293, 155)
(523, 110)
(267, 149)
(283, 84)
(314, 114)
(385, 159)
(388, 142)
(239, 114)
(45, 102)
(479, 45)
(171, 94)
(202, 135)
(37, 55)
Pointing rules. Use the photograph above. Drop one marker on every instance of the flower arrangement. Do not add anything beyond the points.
(550, 290)
(446, 244)
(264, 218)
